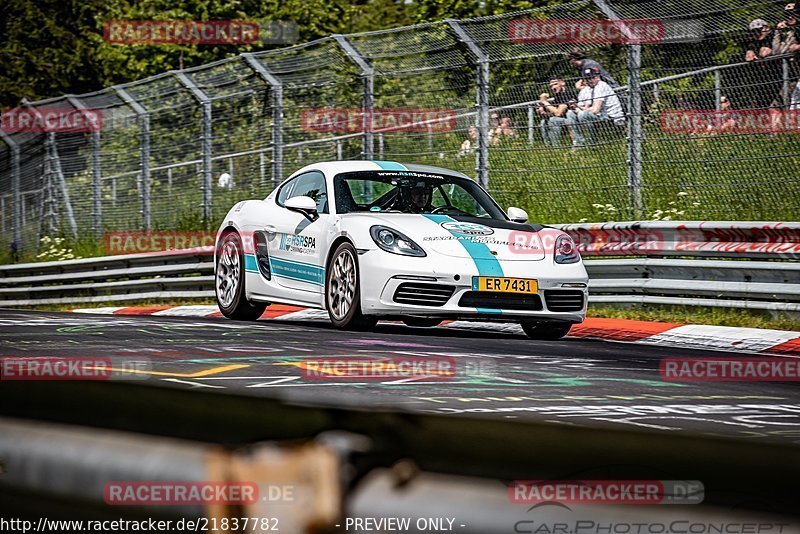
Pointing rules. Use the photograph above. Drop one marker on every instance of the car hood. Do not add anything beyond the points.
(462, 237)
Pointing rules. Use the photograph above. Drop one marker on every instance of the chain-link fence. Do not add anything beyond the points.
(700, 129)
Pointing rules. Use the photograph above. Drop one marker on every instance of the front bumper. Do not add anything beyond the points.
(382, 274)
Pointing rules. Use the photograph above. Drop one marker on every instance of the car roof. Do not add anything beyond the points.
(334, 167)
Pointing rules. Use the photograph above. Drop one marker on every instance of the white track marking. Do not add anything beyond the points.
(721, 338)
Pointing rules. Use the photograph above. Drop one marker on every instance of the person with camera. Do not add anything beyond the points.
(553, 111)
(762, 77)
(597, 102)
(577, 58)
(787, 36)
(761, 40)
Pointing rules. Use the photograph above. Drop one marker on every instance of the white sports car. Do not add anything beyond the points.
(370, 240)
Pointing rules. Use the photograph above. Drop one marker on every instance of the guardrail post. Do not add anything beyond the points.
(205, 137)
(277, 115)
(481, 100)
(635, 128)
(635, 133)
(16, 197)
(531, 122)
(368, 105)
(262, 168)
(143, 118)
(97, 205)
(62, 184)
(55, 168)
(787, 98)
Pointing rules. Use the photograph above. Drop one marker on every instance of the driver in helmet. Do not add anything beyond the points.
(417, 197)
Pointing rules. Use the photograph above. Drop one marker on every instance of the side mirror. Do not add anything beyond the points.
(304, 205)
(517, 215)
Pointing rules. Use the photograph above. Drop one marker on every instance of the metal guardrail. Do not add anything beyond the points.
(746, 265)
(134, 277)
(752, 265)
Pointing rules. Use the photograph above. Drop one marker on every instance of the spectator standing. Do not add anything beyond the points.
(763, 77)
(787, 40)
(597, 102)
(553, 110)
(794, 101)
(761, 40)
(578, 59)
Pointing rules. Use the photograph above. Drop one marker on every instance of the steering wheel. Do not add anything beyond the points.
(440, 209)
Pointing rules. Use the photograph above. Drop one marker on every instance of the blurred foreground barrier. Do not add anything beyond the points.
(753, 265)
(168, 479)
(62, 443)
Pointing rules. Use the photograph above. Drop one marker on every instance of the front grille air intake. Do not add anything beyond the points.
(563, 301)
(419, 294)
(505, 301)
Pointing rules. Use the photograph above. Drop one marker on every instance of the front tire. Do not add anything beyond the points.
(548, 331)
(229, 281)
(343, 291)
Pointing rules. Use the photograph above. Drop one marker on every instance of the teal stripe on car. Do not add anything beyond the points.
(250, 264)
(295, 270)
(390, 165)
(482, 257)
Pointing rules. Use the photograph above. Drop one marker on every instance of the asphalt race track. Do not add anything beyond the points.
(499, 375)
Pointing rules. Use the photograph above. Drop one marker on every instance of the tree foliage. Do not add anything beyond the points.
(51, 47)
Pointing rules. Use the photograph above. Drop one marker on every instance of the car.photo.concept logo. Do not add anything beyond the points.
(465, 228)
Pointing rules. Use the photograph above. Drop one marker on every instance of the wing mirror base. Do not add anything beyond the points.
(303, 205)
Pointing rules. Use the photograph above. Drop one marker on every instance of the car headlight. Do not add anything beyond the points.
(395, 242)
(566, 251)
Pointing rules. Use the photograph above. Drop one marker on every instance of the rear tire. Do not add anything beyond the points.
(548, 331)
(343, 291)
(229, 275)
(422, 322)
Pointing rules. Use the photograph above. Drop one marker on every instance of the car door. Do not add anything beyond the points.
(298, 246)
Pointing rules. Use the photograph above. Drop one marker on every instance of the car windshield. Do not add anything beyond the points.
(412, 192)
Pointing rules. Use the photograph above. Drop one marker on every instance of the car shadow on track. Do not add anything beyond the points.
(401, 329)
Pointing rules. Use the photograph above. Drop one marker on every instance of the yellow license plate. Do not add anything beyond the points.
(504, 284)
